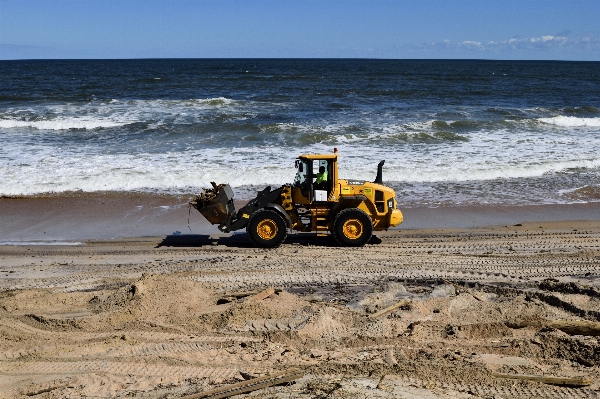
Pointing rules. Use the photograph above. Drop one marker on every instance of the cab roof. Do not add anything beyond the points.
(318, 156)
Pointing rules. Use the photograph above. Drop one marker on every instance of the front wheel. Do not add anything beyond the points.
(266, 229)
(352, 228)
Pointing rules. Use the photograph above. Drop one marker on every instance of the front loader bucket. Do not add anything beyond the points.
(215, 204)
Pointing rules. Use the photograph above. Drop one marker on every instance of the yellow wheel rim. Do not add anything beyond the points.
(267, 229)
(353, 229)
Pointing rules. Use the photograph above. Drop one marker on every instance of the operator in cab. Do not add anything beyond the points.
(321, 182)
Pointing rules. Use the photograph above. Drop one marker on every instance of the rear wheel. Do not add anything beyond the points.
(266, 229)
(352, 228)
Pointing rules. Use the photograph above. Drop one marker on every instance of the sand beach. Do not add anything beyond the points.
(112, 296)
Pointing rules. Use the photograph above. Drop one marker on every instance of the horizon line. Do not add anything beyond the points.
(295, 58)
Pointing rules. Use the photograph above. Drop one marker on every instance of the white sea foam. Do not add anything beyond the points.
(459, 171)
(46, 170)
(31, 243)
(571, 121)
(115, 113)
(415, 151)
(60, 124)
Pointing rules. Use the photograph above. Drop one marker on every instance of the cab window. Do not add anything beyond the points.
(321, 174)
(301, 173)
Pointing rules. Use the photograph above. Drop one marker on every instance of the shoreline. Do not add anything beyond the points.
(88, 217)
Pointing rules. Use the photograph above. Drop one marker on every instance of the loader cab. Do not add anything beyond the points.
(315, 178)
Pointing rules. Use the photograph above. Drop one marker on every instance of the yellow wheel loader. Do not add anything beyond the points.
(317, 201)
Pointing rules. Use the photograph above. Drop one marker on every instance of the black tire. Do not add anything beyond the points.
(266, 229)
(352, 228)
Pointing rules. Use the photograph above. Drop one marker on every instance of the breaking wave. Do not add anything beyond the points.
(61, 124)
(571, 121)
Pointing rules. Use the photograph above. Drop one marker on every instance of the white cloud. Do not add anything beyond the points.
(533, 47)
(548, 38)
(529, 43)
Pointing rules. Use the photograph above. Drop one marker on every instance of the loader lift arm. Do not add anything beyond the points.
(265, 199)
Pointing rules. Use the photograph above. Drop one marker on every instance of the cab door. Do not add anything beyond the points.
(302, 189)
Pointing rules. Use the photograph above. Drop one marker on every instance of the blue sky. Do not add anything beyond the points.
(518, 29)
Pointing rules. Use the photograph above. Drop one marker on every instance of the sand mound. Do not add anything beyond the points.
(328, 323)
(156, 295)
(392, 292)
(31, 301)
(286, 304)
(279, 306)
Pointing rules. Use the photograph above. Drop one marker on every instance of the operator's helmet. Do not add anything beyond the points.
(322, 169)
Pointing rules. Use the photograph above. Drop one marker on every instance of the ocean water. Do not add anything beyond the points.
(452, 132)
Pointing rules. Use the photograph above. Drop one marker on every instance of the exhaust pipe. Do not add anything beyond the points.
(378, 179)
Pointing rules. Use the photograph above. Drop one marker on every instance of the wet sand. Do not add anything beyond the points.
(113, 215)
(135, 310)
